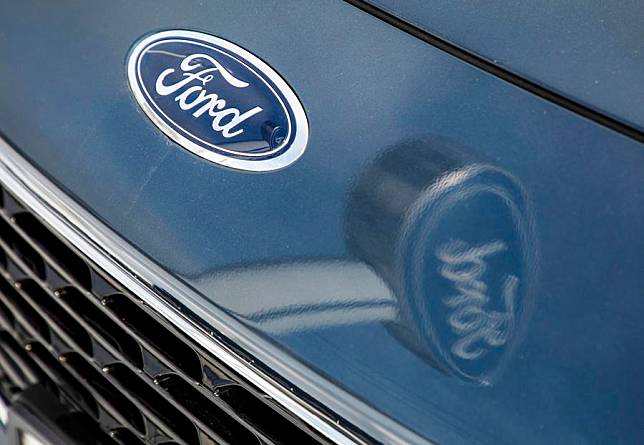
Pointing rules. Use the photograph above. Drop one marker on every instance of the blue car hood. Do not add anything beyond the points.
(589, 51)
(319, 257)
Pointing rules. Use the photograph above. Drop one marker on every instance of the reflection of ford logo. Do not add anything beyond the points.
(218, 100)
(466, 252)
(452, 237)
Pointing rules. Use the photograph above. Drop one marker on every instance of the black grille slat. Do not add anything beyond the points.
(9, 203)
(19, 356)
(23, 249)
(154, 333)
(63, 379)
(54, 247)
(53, 376)
(3, 258)
(31, 320)
(104, 353)
(16, 371)
(125, 437)
(47, 305)
(53, 369)
(105, 390)
(7, 319)
(209, 415)
(271, 424)
(160, 407)
(69, 374)
(104, 326)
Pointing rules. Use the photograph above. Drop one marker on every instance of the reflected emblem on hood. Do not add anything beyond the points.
(453, 237)
(218, 100)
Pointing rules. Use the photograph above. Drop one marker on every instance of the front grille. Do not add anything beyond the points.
(122, 374)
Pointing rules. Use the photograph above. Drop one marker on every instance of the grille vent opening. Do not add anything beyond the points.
(102, 324)
(30, 317)
(7, 319)
(265, 419)
(154, 333)
(70, 330)
(3, 258)
(62, 378)
(19, 370)
(46, 304)
(22, 248)
(154, 402)
(9, 203)
(93, 379)
(125, 437)
(82, 429)
(63, 255)
(208, 413)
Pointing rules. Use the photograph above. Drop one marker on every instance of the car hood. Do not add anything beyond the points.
(591, 52)
(319, 258)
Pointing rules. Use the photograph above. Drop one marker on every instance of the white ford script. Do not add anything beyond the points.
(195, 97)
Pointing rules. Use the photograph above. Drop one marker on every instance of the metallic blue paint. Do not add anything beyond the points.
(278, 249)
(589, 50)
(457, 250)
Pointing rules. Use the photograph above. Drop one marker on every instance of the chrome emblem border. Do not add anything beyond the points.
(275, 159)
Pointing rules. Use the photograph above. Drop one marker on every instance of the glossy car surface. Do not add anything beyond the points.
(290, 253)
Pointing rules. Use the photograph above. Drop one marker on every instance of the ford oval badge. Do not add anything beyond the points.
(218, 100)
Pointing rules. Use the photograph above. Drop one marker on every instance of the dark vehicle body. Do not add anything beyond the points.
(318, 271)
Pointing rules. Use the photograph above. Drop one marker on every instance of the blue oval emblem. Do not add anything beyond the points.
(218, 100)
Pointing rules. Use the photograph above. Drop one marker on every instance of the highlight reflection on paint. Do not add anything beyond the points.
(457, 250)
(443, 257)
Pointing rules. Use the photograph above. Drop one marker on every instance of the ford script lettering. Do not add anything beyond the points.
(213, 104)
(217, 100)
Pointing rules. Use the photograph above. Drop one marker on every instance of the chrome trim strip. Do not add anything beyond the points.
(141, 276)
